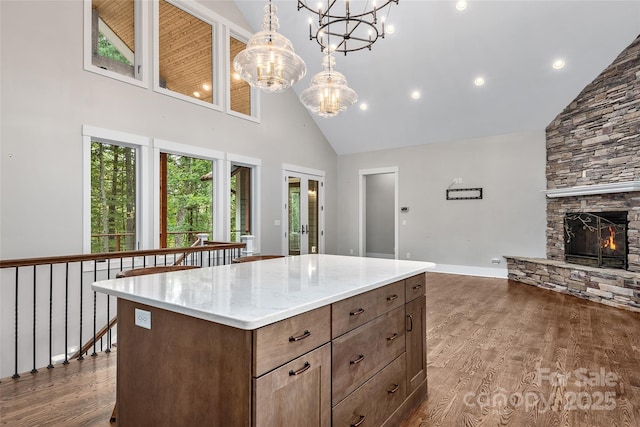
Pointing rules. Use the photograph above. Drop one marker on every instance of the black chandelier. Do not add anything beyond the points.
(354, 31)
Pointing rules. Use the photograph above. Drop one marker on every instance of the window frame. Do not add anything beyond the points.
(207, 16)
(217, 157)
(256, 170)
(142, 146)
(244, 36)
(141, 31)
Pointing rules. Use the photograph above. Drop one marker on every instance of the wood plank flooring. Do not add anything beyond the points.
(500, 353)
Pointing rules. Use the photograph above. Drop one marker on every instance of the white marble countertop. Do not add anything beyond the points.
(254, 294)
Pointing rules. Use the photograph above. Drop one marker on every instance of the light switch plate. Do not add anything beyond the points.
(143, 318)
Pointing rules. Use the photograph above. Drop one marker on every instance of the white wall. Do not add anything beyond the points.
(459, 235)
(47, 96)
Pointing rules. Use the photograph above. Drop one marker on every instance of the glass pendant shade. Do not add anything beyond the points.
(328, 94)
(269, 62)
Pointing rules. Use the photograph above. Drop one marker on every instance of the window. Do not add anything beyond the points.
(240, 201)
(187, 195)
(114, 37)
(185, 64)
(112, 183)
(113, 198)
(243, 190)
(186, 199)
(240, 90)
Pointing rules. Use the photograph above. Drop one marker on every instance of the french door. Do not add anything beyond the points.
(303, 213)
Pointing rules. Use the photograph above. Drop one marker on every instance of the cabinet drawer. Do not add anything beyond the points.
(283, 341)
(376, 400)
(296, 394)
(415, 286)
(359, 354)
(352, 312)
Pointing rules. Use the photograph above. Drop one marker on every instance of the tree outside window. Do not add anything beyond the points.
(113, 198)
(186, 199)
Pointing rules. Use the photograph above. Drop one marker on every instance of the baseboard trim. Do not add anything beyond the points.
(465, 270)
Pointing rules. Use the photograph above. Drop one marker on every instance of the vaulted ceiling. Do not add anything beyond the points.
(440, 51)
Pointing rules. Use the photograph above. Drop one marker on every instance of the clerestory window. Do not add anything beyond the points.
(115, 39)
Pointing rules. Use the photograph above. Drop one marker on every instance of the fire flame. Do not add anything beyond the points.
(609, 242)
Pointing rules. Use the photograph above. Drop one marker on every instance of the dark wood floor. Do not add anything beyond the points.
(499, 353)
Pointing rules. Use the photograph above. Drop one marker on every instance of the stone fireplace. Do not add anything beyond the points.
(593, 192)
(596, 239)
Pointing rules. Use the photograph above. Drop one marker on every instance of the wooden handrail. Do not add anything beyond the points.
(24, 262)
(183, 256)
(85, 348)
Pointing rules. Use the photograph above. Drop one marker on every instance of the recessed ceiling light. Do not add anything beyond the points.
(479, 81)
(196, 94)
(236, 76)
(363, 106)
(415, 94)
(206, 87)
(461, 5)
(390, 29)
(558, 64)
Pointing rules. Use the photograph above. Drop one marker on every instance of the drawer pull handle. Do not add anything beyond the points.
(392, 298)
(356, 312)
(394, 389)
(359, 422)
(305, 334)
(306, 366)
(392, 337)
(358, 360)
(410, 318)
(416, 287)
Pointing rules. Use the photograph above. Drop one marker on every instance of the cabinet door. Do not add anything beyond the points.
(416, 343)
(296, 394)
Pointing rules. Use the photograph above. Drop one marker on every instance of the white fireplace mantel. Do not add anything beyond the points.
(587, 190)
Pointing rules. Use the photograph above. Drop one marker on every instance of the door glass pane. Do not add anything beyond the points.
(294, 216)
(312, 226)
(113, 198)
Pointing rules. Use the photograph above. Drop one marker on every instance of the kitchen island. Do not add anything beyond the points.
(306, 340)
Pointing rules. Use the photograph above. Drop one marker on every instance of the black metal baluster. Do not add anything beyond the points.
(34, 370)
(15, 374)
(81, 357)
(50, 365)
(108, 350)
(66, 315)
(95, 308)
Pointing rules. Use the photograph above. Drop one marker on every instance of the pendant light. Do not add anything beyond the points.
(269, 61)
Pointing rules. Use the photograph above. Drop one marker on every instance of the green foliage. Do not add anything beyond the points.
(189, 199)
(113, 196)
(108, 50)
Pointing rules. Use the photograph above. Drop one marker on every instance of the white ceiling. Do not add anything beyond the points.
(440, 51)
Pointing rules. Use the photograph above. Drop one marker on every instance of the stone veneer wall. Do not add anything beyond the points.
(617, 288)
(598, 134)
(594, 140)
(557, 207)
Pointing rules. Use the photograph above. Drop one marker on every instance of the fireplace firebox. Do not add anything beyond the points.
(596, 239)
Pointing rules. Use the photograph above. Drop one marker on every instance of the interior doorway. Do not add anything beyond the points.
(378, 213)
